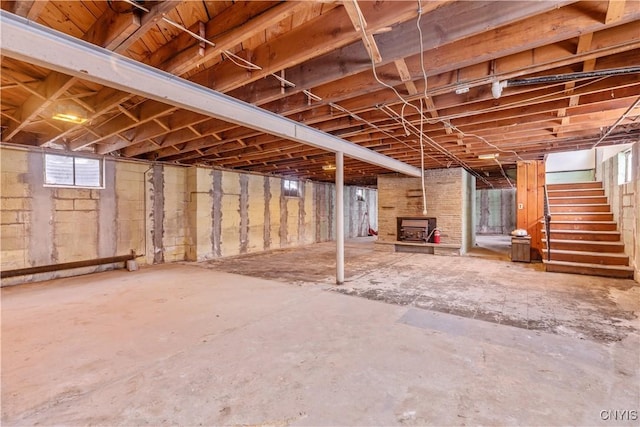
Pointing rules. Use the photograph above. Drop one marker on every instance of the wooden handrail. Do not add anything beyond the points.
(547, 222)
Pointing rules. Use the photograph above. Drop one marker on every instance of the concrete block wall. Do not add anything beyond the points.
(16, 202)
(449, 200)
(624, 200)
(131, 219)
(168, 213)
(234, 213)
(468, 212)
(50, 225)
(495, 211)
(359, 215)
(174, 240)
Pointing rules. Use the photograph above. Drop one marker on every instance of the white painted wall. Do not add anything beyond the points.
(571, 161)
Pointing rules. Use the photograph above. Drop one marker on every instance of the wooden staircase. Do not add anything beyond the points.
(584, 236)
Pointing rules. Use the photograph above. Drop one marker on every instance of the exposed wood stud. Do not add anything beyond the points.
(405, 76)
(24, 86)
(161, 124)
(128, 113)
(615, 11)
(203, 33)
(192, 129)
(360, 24)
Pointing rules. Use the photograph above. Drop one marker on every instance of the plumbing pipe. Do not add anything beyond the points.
(67, 265)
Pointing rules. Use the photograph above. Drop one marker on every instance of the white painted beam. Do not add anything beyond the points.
(27, 41)
(339, 218)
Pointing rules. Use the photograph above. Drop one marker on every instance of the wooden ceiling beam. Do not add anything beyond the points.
(109, 31)
(216, 129)
(360, 25)
(97, 34)
(189, 59)
(366, 101)
(329, 32)
(450, 106)
(615, 11)
(584, 44)
(146, 112)
(502, 126)
(147, 21)
(51, 88)
(405, 76)
(104, 101)
(403, 41)
(150, 147)
(610, 41)
(29, 9)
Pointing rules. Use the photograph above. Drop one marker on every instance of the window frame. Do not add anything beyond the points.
(74, 157)
(360, 195)
(287, 191)
(625, 167)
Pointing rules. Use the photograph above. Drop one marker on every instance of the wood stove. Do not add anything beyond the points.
(416, 229)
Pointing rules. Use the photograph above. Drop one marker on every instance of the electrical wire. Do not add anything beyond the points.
(135, 4)
(122, 12)
(424, 71)
(239, 61)
(243, 63)
(394, 115)
(612, 127)
(186, 30)
(513, 104)
(523, 102)
(376, 127)
(504, 174)
(284, 81)
(405, 102)
(424, 191)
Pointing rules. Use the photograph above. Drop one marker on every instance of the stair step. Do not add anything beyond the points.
(618, 271)
(581, 216)
(577, 192)
(577, 200)
(601, 236)
(599, 258)
(586, 245)
(557, 224)
(575, 185)
(581, 207)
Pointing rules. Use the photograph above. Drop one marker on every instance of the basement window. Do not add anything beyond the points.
(73, 171)
(360, 194)
(625, 167)
(290, 188)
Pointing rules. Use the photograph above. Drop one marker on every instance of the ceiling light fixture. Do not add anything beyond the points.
(70, 113)
(329, 167)
(461, 90)
(488, 156)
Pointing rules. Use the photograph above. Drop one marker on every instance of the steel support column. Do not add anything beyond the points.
(339, 218)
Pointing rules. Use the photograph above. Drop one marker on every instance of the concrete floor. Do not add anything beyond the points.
(448, 341)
